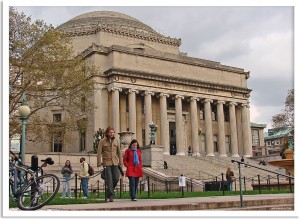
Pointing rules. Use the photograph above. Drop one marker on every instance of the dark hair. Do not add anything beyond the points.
(69, 163)
(107, 130)
(134, 141)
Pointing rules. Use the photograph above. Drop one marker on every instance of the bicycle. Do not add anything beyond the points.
(31, 188)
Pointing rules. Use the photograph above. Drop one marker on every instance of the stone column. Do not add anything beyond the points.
(194, 123)
(97, 107)
(115, 109)
(208, 128)
(221, 128)
(132, 110)
(246, 131)
(179, 125)
(148, 114)
(233, 131)
(164, 127)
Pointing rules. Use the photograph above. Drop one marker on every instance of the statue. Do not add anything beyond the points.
(153, 129)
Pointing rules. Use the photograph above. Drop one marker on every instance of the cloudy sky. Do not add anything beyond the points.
(259, 39)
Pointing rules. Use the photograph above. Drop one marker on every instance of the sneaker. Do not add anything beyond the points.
(70, 197)
(134, 199)
(84, 197)
(111, 200)
(61, 197)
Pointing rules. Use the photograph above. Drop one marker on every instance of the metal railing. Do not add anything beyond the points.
(240, 178)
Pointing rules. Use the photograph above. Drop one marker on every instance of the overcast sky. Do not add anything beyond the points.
(256, 38)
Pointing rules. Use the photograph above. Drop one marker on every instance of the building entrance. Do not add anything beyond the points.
(172, 134)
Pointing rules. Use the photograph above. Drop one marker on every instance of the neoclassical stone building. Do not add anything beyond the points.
(144, 77)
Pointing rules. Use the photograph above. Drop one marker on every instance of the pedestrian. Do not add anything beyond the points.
(165, 165)
(109, 156)
(190, 151)
(243, 160)
(84, 177)
(230, 178)
(133, 161)
(66, 171)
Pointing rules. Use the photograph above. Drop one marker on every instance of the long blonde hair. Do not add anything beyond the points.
(228, 170)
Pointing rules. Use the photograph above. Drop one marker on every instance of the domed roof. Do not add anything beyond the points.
(106, 18)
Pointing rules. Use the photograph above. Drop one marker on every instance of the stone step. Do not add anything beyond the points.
(255, 202)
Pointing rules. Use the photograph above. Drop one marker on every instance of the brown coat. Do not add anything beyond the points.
(109, 153)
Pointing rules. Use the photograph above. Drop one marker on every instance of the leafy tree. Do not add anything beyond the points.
(99, 134)
(42, 64)
(286, 118)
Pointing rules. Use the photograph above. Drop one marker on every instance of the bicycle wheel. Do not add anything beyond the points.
(39, 192)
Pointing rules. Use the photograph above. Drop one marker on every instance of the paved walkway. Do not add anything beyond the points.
(163, 204)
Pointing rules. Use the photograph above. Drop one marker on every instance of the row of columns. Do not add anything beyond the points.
(179, 122)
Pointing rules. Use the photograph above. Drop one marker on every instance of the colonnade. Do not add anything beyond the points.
(164, 126)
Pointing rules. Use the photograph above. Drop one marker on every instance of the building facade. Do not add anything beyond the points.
(258, 141)
(143, 77)
(276, 140)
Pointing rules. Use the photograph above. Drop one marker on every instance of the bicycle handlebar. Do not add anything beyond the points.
(16, 157)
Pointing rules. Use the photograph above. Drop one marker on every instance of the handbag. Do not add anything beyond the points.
(102, 173)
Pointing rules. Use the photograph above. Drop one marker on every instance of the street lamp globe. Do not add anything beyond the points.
(24, 110)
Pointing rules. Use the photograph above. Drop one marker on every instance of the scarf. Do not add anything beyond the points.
(136, 161)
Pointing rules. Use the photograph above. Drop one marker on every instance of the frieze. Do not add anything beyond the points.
(184, 87)
(179, 83)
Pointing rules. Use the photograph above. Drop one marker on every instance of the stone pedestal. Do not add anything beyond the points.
(152, 156)
(125, 139)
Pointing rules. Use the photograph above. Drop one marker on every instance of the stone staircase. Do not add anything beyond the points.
(207, 169)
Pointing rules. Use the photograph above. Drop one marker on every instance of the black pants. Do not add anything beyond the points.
(112, 175)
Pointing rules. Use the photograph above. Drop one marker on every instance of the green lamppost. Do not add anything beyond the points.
(24, 112)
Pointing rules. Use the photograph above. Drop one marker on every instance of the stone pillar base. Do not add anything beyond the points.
(210, 155)
(180, 154)
(152, 156)
(235, 155)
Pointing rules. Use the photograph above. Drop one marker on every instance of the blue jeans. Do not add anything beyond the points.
(133, 185)
(85, 186)
(229, 185)
(66, 184)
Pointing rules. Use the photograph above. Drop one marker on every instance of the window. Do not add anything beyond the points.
(203, 145)
(255, 137)
(57, 117)
(226, 114)
(82, 141)
(268, 143)
(216, 143)
(171, 104)
(57, 142)
(227, 144)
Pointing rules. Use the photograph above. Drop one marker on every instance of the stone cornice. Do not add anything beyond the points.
(173, 79)
(123, 31)
(163, 56)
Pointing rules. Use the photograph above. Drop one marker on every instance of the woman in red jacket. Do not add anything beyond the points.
(133, 161)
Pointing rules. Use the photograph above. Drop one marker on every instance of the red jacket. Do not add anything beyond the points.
(132, 170)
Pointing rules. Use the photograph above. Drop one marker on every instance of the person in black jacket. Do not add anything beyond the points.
(66, 179)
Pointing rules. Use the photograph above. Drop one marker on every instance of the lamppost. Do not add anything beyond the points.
(24, 112)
